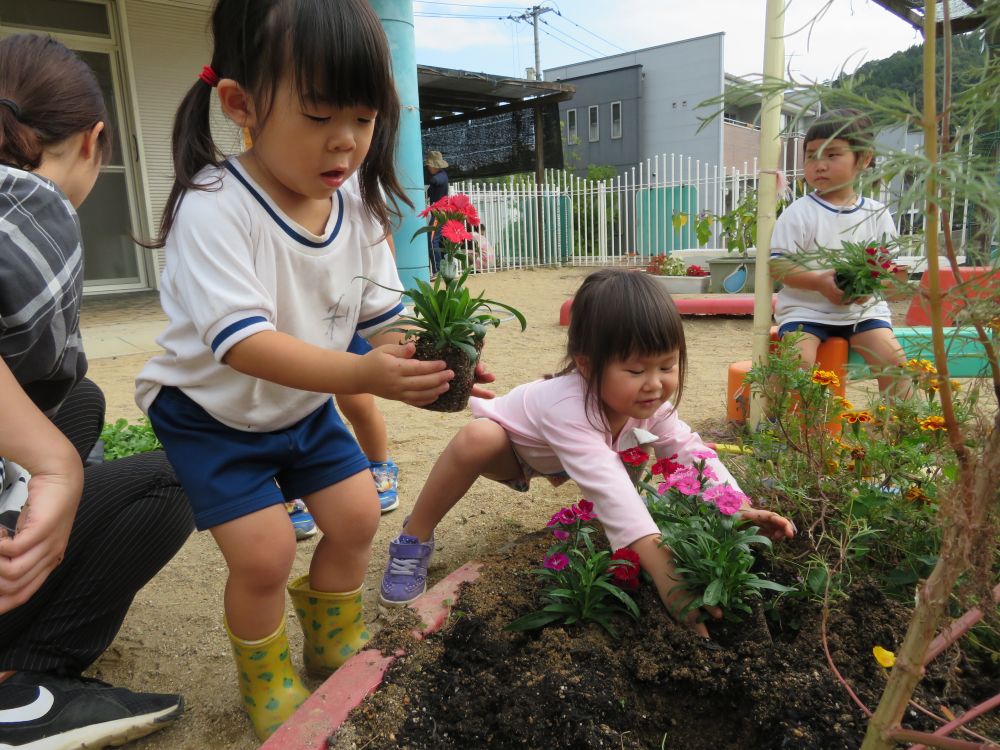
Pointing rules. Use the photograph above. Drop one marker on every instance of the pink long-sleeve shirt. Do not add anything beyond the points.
(546, 421)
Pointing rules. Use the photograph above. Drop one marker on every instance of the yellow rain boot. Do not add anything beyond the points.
(269, 685)
(333, 626)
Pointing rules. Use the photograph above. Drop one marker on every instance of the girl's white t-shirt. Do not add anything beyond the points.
(548, 424)
(811, 223)
(237, 265)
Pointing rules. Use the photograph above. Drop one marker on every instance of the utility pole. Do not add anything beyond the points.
(535, 12)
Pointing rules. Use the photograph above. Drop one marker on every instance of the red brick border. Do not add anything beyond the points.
(328, 707)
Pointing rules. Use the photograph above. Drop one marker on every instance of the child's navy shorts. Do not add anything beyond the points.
(229, 473)
(823, 331)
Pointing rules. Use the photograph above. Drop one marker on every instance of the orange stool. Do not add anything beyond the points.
(831, 355)
(565, 310)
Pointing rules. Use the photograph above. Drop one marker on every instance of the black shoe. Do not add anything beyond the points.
(40, 711)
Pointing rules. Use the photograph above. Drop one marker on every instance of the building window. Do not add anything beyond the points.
(616, 119)
(572, 137)
(595, 126)
(56, 15)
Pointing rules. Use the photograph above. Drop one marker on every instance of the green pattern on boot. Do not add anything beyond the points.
(332, 623)
(269, 686)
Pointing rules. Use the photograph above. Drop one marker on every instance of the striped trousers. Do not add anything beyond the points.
(133, 517)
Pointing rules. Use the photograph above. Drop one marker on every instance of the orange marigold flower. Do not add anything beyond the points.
(956, 386)
(826, 377)
(931, 423)
(915, 494)
(924, 365)
(853, 417)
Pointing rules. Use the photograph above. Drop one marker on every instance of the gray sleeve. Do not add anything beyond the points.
(41, 283)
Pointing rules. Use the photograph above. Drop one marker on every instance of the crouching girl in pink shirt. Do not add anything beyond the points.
(624, 372)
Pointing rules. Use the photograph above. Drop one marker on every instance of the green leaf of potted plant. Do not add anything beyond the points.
(447, 321)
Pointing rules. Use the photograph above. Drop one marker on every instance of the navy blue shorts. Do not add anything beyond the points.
(229, 473)
(823, 332)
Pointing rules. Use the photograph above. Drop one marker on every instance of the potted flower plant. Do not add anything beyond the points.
(677, 277)
(447, 321)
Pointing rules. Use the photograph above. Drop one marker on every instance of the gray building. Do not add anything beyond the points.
(635, 105)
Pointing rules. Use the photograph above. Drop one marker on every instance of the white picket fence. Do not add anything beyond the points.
(574, 221)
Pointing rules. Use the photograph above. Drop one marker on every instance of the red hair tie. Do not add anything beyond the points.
(209, 76)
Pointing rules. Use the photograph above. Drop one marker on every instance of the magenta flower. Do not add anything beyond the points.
(684, 480)
(725, 498)
(567, 516)
(704, 455)
(585, 505)
(709, 473)
(584, 514)
(556, 561)
(560, 534)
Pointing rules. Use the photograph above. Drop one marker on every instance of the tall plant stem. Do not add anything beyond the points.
(932, 596)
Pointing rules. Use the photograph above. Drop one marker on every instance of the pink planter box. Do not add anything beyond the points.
(328, 707)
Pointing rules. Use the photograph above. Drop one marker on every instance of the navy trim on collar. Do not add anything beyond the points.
(828, 207)
(281, 222)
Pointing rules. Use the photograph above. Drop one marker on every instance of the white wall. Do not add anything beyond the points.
(168, 43)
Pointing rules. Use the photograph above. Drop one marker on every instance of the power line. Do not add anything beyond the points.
(471, 5)
(606, 41)
(435, 14)
(578, 41)
(573, 46)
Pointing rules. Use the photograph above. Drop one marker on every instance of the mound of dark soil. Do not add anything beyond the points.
(755, 686)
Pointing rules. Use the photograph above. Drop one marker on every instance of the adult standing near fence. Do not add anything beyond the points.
(437, 188)
(78, 544)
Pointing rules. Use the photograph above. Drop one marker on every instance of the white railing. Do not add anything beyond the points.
(635, 215)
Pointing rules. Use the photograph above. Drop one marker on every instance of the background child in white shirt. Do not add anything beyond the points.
(838, 148)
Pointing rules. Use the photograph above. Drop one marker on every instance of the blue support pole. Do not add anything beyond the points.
(397, 20)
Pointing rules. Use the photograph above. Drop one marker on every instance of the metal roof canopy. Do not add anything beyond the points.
(965, 15)
(448, 95)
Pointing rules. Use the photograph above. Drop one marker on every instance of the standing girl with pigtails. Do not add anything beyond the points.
(276, 268)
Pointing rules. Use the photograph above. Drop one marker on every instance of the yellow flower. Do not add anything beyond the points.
(931, 423)
(845, 404)
(914, 494)
(955, 386)
(922, 364)
(884, 657)
(826, 377)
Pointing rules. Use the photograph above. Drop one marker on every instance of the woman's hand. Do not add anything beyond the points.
(30, 439)
(43, 530)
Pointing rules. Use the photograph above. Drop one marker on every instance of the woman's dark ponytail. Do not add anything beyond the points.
(49, 95)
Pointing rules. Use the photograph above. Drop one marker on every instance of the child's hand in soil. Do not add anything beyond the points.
(482, 376)
(772, 525)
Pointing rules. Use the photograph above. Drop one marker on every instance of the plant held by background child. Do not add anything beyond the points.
(448, 322)
(582, 584)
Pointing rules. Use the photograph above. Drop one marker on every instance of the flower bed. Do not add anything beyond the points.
(756, 685)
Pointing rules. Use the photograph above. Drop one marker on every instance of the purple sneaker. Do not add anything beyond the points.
(405, 577)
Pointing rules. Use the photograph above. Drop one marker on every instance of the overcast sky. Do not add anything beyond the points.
(470, 35)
